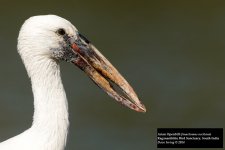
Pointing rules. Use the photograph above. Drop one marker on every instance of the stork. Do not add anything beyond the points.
(43, 42)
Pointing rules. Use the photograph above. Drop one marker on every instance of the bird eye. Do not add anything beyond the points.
(61, 31)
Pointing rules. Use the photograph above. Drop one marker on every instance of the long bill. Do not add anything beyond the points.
(104, 74)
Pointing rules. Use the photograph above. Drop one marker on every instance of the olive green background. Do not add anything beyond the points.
(172, 53)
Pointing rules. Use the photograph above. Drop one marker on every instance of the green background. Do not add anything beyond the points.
(172, 53)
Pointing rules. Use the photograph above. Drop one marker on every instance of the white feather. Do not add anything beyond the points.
(50, 120)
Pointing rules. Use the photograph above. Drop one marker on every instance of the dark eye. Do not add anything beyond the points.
(61, 31)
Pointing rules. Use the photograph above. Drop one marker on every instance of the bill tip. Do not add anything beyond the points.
(142, 108)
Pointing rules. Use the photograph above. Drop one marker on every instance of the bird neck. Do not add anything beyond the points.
(50, 104)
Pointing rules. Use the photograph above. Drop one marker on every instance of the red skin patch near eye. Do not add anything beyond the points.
(75, 47)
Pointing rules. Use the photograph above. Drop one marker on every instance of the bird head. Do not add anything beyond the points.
(54, 38)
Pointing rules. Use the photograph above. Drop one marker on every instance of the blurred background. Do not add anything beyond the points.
(172, 53)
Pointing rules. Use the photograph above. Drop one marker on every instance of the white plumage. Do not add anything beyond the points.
(50, 120)
(42, 43)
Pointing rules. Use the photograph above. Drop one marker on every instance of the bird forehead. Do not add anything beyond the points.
(51, 22)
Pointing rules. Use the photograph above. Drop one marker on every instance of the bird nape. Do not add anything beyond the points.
(43, 42)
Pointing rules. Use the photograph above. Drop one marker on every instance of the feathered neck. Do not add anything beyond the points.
(50, 103)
